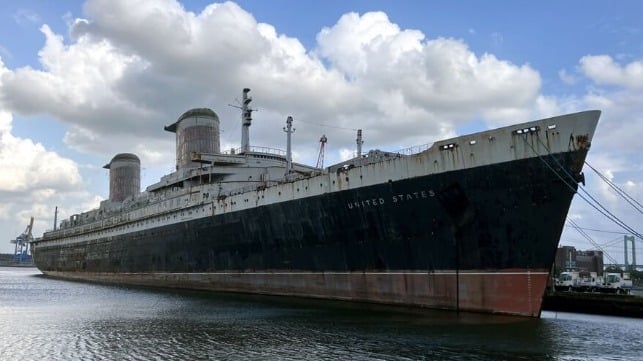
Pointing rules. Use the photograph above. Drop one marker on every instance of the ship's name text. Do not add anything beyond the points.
(395, 199)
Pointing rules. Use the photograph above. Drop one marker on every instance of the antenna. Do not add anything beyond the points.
(289, 130)
(246, 119)
(55, 218)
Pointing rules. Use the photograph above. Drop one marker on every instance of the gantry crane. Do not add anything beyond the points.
(21, 253)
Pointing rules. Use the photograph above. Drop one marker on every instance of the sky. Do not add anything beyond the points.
(81, 81)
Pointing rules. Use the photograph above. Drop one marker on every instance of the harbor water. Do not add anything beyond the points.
(48, 319)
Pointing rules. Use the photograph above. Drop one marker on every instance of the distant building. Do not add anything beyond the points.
(568, 258)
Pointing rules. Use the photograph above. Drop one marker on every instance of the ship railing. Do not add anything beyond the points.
(249, 188)
(255, 149)
(414, 149)
(112, 218)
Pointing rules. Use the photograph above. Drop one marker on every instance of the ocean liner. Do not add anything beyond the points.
(469, 224)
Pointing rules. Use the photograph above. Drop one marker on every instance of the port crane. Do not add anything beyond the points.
(320, 157)
(21, 253)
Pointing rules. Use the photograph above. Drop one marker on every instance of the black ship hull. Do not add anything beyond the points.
(480, 239)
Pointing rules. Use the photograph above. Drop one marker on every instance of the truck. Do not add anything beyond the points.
(566, 281)
(581, 281)
(616, 283)
(587, 282)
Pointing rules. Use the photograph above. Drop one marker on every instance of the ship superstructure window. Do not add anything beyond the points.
(448, 146)
(527, 130)
(551, 127)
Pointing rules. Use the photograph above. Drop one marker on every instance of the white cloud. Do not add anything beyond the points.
(5, 53)
(617, 90)
(32, 180)
(26, 17)
(355, 41)
(28, 166)
(603, 70)
(427, 85)
(567, 78)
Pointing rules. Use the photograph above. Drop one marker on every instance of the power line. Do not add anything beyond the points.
(629, 199)
(596, 205)
(325, 125)
(603, 231)
(613, 242)
(584, 234)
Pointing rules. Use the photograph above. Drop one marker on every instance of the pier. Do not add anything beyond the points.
(595, 303)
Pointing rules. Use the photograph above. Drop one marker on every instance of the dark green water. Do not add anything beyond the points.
(46, 319)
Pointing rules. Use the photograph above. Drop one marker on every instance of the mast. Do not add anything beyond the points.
(289, 130)
(359, 143)
(246, 120)
(55, 217)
